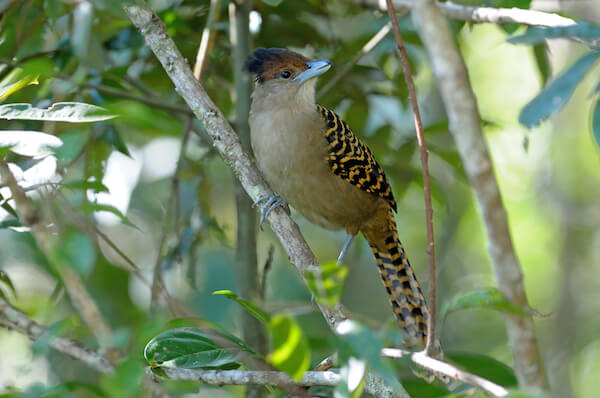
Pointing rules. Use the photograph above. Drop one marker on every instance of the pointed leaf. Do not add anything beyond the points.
(536, 35)
(8, 282)
(291, 352)
(89, 207)
(327, 282)
(540, 52)
(73, 112)
(29, 143)
(189, 348)
(8, 86)
(488, 298)
(249, 306)
(554, 96)
(96, 186)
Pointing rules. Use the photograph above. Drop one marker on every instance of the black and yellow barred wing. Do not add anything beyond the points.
(352, 160)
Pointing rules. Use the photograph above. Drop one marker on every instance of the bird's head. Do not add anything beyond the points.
(285, 72)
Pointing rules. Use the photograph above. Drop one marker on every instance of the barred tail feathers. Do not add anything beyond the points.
(398, 277)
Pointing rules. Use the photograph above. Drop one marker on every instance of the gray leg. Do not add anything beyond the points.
(345, 249)
(271, 202)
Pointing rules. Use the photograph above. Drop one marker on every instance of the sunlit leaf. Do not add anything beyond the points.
(291, 352)
(189, 348)
(73, 112)
(249, 306)
(488, 298)
(536, 35)
(327, 283)
(77, 250)
(29, 143)
(8, 86)
(486, 367)
(357, 340)
(596, 122)
(555, 95)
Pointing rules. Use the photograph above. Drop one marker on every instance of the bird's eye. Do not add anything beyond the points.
(285, 74)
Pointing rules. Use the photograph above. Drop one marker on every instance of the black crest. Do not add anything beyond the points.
(261, 57)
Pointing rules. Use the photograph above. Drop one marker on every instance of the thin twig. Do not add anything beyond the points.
(208, 38)
(434, 365)
(47, 242)
(370, 45)
(431, 324)
(465, 126)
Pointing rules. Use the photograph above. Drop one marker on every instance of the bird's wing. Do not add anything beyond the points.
(352, 160)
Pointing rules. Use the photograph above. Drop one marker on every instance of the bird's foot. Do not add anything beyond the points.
(270, 202)
(345, 249)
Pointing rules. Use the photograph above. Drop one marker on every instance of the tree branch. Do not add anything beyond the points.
(249, 377)
(499, 16)
(14, 319)
(227, 143)
(464, 121)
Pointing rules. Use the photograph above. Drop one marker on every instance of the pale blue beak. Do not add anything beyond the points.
(315, 68)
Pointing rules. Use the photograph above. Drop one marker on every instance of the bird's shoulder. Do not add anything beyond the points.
(350, 159)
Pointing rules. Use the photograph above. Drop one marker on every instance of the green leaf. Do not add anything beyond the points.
(90, 207)
(9, 85)
(353, 379)
(73, 112)
(536, 35)
(84, 185)
(189, 348)
(249, 306)
(13, 223)
(486, 367)
(419, 388)
(272, 3)
(540, 52)
(327, 283)
(596, 122)
(357, 340)
(554, 96)
(291, 352)
(112, 137)
(29, 143)
(77, 250)
(8, 282)
(488, 298)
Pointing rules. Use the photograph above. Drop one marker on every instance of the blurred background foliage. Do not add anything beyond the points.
(89, 52)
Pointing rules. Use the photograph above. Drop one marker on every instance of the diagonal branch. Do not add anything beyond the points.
(457, 94)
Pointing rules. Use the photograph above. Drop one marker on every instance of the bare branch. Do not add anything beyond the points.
(208, 38)
(439, 367)
(499, 16)
(461, 107)
(250, 377)
(229, 146)
(14, 319)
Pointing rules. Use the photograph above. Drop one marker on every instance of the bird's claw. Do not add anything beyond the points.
(345, 249)
(272, 201)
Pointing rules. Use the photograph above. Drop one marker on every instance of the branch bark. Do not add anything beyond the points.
(451, 75)
(227, 143)
(499, 16)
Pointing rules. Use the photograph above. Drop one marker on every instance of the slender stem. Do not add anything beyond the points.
(208, 38)
(431, 324)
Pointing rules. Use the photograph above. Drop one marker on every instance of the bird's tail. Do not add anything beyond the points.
(399, 280)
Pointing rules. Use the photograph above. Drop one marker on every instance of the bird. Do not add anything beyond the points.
(314, 162)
